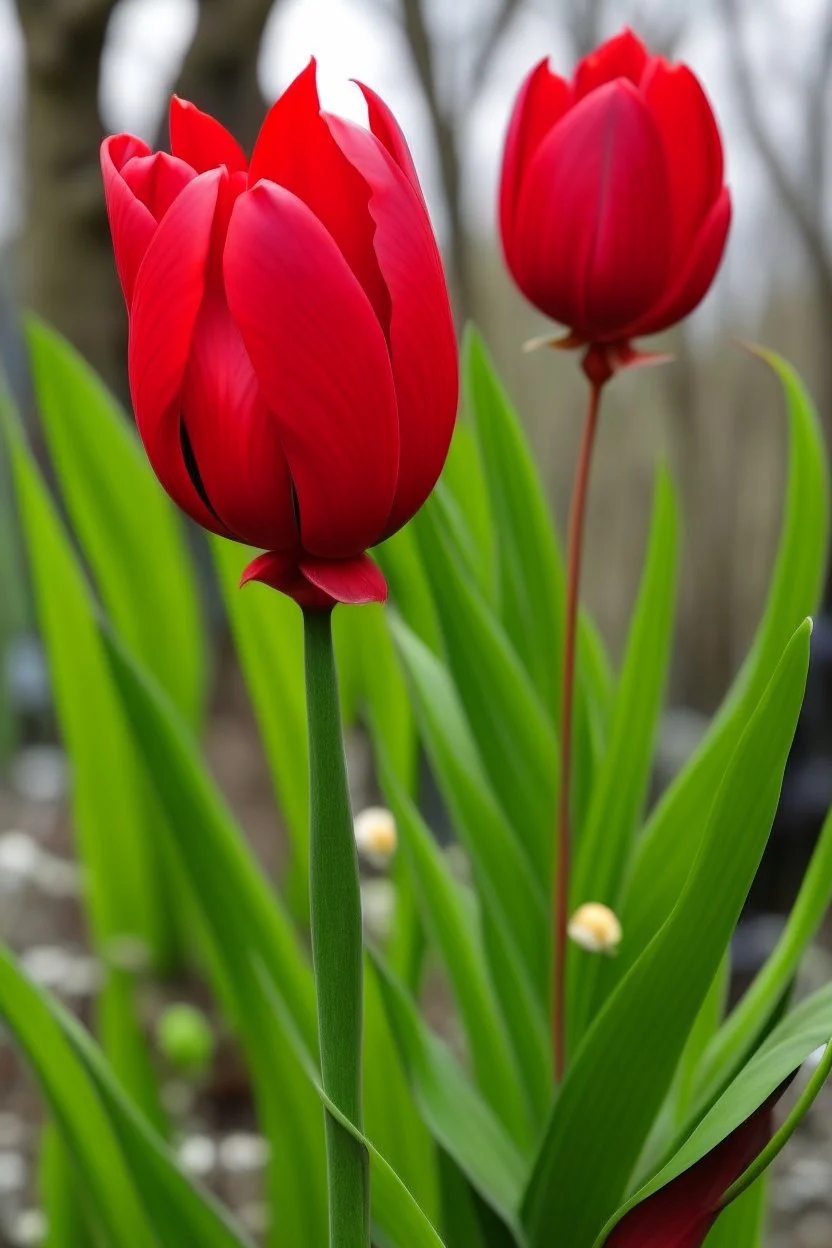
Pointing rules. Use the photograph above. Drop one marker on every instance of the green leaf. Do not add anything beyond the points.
(621, 782)
(621, 1074)
(400, 1221)
(742, 1224)
(802, 1032)
(445, 919)
(109, 789)
(62, 1198)
(129, 530)
(116, 1213)
(410, 593)
(529, 568)
(240, 914)
(463, 486)
(529, 564)
(383, 701)
(268, 636)
(512, 902)
(514, 736)
(673, 834)
(179, 1211)
(392, 1120)
(740, 1033)
(459, 1119)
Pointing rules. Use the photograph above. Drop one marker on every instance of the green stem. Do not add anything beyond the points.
(780, 1138)
(335, 902)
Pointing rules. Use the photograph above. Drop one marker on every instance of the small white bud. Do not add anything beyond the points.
(375, 835)
(595, 928)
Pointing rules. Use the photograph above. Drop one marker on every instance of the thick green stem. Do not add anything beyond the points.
(336, 937)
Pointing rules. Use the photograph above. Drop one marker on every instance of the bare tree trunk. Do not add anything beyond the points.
(219, 73)
(66, 261)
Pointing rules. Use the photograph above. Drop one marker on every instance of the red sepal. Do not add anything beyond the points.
(319, 584)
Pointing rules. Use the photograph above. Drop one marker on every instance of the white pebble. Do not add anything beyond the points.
(56, 877)
(39, 773)
(242, 1151)
(82, 978)
(29, 1228)
(47, 965)
(198, 1155)
(12, 1172)
(19, 855)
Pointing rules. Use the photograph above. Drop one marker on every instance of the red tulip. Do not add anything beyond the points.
(613, 210)
(292, 357)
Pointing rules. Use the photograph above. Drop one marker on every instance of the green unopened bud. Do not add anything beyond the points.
(185, 1036)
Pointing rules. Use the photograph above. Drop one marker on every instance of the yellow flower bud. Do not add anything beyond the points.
(595, 928)
(375, 835)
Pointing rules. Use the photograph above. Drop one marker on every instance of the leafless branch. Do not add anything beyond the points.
(488, 45)
(219, 73)
(806, 214)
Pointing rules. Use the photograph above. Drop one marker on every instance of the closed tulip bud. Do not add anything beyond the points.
(375, 835)
(595, 928)
(613, 208)
(292, 357)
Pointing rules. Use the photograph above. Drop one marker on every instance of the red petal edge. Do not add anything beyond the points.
(319, 584)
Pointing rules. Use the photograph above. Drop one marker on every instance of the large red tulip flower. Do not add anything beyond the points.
(292, 356)
(613, 209)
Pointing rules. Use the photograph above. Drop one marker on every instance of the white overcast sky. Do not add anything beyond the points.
(354, 38)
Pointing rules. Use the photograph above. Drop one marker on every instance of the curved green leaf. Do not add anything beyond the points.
(459, 1119)
(446, 920)
(76, 1109)
(622, 779)
(129, 530)
(514, 736)
(674, 831)
(802, 1032)
(622, 1072)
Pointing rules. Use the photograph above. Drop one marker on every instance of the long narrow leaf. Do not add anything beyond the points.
(621, 782)
(76, 1110)
(674, 831)
(623, 1070)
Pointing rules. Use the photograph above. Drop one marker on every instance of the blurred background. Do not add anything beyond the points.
(72, 70)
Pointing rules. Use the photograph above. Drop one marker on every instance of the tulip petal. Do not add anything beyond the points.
(696, 278)
(132, 225)
(318, 585)
(157, 180)
(389, 133)
(323, 366)
(296, 150)
(422, 340)
(692, 145)
(623, 56)
(592, 236)
(234, 437)
(168, 293)
(681, 1214)
(543, 99)
(202, 141)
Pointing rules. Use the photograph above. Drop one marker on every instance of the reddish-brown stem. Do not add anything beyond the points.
(562, 848)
